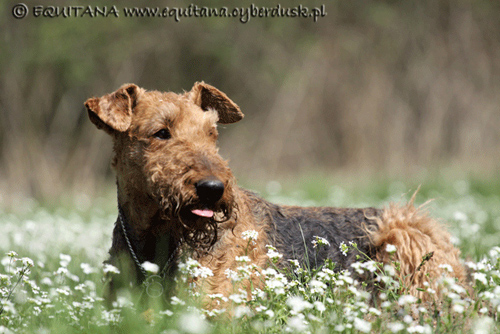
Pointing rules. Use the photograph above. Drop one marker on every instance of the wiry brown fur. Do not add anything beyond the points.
(415, 235)
(165, 146)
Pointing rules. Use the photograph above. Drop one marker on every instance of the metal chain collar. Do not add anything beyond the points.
(134, 255)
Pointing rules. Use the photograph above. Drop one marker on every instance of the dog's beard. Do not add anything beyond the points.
(198, 232)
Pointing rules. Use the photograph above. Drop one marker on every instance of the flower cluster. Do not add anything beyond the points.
(56, 284)
(320, 241)
(194, 269)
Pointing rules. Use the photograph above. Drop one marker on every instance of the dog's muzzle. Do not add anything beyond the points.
(209, 191)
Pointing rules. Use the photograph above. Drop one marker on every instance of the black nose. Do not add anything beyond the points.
(209, 191)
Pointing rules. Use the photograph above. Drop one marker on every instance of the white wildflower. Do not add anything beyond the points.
(390, 249)
(123, 301)
(244, 259)
(168, 313)
(389, 270)
(345, 276)
(319, 306)
(64, 291)
(483, 325)
(395, 327)
(269, 272)
(297, 269)
(109, 268)
(273, 254)
(320, 241)
(151, 268)
(386, 304)
(371, 266)
(232, 275)
(484, 265)
(241, 311)
(419, 329)
(174, 300)
(250, 235)
(87, 268)
(203, 272)
(110, 317)
(317, 286)
(406, 299)
(27, 262)
(297, 304)
(258, 294)
(297, 323)
(494, 252)
(64, 260)
(246, 271)
(343, 248)
(12, 254)
(460, 216)
(487, 295)
(193, 322)
(194, 269)
(362, 325)
(62, 271)
(276, 285)
(326, 274)
(46, 281)
(5, 280)
(446, 267)
(358, 267)
(214, 312)
(269, 313)
(458, 308)
(458, 289)
(481, 277)
(339, 328)
(218, 296)
(239, 298)
(260, 309)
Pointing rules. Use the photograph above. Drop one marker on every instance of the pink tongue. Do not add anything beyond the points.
(203, 213)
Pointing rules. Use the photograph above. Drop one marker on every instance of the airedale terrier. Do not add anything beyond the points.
(175, 192)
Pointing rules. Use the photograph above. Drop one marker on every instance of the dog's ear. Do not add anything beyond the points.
(113, 112)
(209, 97)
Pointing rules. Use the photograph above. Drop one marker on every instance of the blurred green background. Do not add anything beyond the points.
(385, 89)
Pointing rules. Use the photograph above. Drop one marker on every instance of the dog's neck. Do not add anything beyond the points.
(139, 208)
(148, 235)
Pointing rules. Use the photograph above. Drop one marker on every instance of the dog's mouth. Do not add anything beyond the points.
(198, 225)
(197, 214)
(205, 213)
(196, 221)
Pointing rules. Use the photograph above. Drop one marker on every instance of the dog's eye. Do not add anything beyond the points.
(163, 134)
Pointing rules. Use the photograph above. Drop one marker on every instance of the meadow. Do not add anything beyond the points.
(51, 272)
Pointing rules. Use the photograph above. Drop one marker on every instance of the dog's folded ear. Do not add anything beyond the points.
(209, 97)
(113, 112)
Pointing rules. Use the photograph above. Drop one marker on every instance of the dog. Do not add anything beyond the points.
(177, 194)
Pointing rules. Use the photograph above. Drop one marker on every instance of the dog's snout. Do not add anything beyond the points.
(209, 191)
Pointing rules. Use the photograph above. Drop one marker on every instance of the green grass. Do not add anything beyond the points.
(53, 281)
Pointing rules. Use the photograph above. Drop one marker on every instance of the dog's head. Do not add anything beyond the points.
(166, 149)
